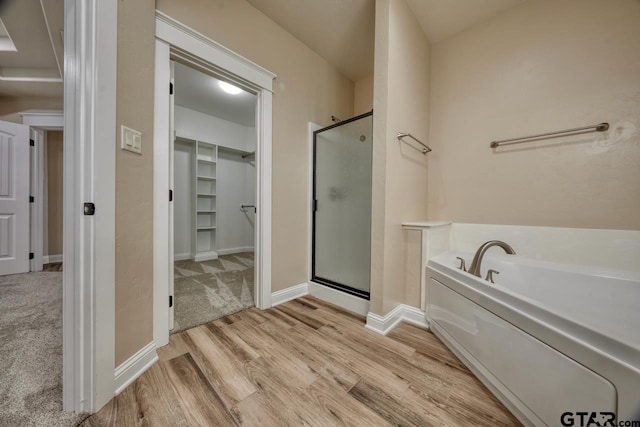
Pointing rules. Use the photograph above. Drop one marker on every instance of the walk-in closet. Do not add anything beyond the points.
(214, 188)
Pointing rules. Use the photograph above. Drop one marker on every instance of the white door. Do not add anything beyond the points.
(172, 137)
(14, 198)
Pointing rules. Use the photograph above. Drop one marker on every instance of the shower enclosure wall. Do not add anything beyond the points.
(342, 157)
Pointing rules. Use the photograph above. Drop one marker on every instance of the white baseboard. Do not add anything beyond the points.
(230, 251)
(415, 316)
(48, 259)
(135, 366)
(341, 299)
(182, 257)
(289, 294)
(384, 324)
(205, 256)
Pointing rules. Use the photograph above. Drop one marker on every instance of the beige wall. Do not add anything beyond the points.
(401, 103)
(363, 95)
(307, 89)
(134, 179)
(54, 193)
(543, 66)
(11, 106)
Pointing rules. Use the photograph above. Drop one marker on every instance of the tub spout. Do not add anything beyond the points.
(477, 258)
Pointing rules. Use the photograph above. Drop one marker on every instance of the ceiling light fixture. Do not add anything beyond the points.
(229, 88)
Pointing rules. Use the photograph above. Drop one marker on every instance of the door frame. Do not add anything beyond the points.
(175, 38)
(88, 298)
(40, 122)
(314, 278)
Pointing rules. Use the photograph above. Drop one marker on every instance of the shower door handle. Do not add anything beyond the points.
(314, 205)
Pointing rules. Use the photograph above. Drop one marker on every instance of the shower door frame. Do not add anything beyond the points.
(314, 278)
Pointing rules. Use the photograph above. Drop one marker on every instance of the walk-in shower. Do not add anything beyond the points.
(342, 205)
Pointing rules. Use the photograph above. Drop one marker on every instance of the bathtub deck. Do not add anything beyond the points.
(304, 362)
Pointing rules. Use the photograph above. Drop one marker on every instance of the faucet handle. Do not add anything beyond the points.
(461, 266)
(490, 274)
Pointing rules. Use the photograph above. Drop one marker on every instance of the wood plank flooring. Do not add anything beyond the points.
(305, 362)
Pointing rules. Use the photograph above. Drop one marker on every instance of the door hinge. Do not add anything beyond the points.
(32, 199)
(89, 208)
(32, 143)
(171, 195)
(314, 205)
(170, 88)
(30, 255)
(170, 301)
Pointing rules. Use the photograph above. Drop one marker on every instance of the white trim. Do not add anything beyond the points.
(37, 223)
(162, 252)
(182, 257)
(402, 313)
(280, 297)
(225, 60)
(134, 366)
(264, 125)
(90, 46)
(48, 259)
(230, 251)
(43, 119)
(40, 121)
(339, 298)
(204, 256)
(415, 316)
(173, 37)
(42, 197)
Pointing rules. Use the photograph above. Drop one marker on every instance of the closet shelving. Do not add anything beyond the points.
(204, 199)
(205, 194)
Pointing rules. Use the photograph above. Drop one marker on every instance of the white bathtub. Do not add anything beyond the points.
(546, 338)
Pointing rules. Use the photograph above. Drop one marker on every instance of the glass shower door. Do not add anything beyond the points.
(342, 205)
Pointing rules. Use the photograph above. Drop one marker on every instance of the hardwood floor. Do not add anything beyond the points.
(305, 362)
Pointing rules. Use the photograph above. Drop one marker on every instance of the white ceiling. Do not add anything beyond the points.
(35, 68)
(342, 31)
(201, 92)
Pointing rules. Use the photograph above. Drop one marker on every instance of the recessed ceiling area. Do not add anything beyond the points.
(203, 93)
(34, 67)
(6, 44)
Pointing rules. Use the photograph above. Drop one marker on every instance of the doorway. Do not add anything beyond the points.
(213, 165)
(181, 44)
(31, 190)
(51, 172)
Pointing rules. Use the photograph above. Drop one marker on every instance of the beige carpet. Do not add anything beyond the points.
(31, 351)
(209, 290)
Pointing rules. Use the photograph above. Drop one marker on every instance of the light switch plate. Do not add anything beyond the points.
(131, 140)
